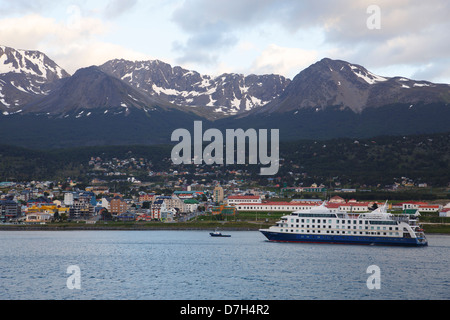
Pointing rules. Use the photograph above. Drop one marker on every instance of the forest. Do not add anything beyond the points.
(338, 162)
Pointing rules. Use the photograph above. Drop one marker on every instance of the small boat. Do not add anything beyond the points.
(219, 234)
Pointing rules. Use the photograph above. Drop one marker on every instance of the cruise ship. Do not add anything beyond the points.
(321, 225)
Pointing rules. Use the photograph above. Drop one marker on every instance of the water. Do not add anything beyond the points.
(190, 265)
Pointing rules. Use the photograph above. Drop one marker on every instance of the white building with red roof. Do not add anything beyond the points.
(421, 206)
(233, 200)
(277, 206)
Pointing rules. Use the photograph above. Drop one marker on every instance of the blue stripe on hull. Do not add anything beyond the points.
(338, 239)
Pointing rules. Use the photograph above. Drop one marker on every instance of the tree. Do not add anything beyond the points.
(63, 216)
(146, 205)
(105, 215)
(56, 216)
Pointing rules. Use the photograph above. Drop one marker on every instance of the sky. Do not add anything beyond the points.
(406, 38)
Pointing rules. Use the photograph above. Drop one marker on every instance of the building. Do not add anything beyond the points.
(277, 206)
(105, 203)
(445, 212)
(117, 206)
(157, 208)
(233, 200)
(172, 202)
(126, 216)
(192, 193)
(218, 194)
(69, 197)
(185, 196)
(421, 206)
(337, 199)
(354, 206)
(190, 205)
(38, 217)
(48, 208)
(97, 190)
(168, 215)
(9, 210)
(81, 209)
(147, 197)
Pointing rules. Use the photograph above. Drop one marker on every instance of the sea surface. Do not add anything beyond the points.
(191, 265)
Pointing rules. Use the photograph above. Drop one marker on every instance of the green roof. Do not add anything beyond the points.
(191, 201)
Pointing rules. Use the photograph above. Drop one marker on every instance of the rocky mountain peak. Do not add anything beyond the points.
(226, 94)
(331, 83)
(25, 75)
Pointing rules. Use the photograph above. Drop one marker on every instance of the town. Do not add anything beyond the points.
(38, 203)
(147, 189)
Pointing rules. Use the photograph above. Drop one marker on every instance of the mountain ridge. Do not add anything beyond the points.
(26, 75)
(226, 94)
(144, 101)
(339, 83)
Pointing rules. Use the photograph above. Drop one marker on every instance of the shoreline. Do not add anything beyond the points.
(210, 228)
(124, 228)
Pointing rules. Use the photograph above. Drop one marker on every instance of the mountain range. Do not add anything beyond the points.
(142, 102)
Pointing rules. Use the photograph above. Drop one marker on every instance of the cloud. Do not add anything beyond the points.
(23, 6)
(211, 27)
(439, 71)
(285, 61)
(116, 8)
(72, 44)
(412, 32)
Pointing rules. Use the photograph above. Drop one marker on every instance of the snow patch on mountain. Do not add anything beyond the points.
(229, 93)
